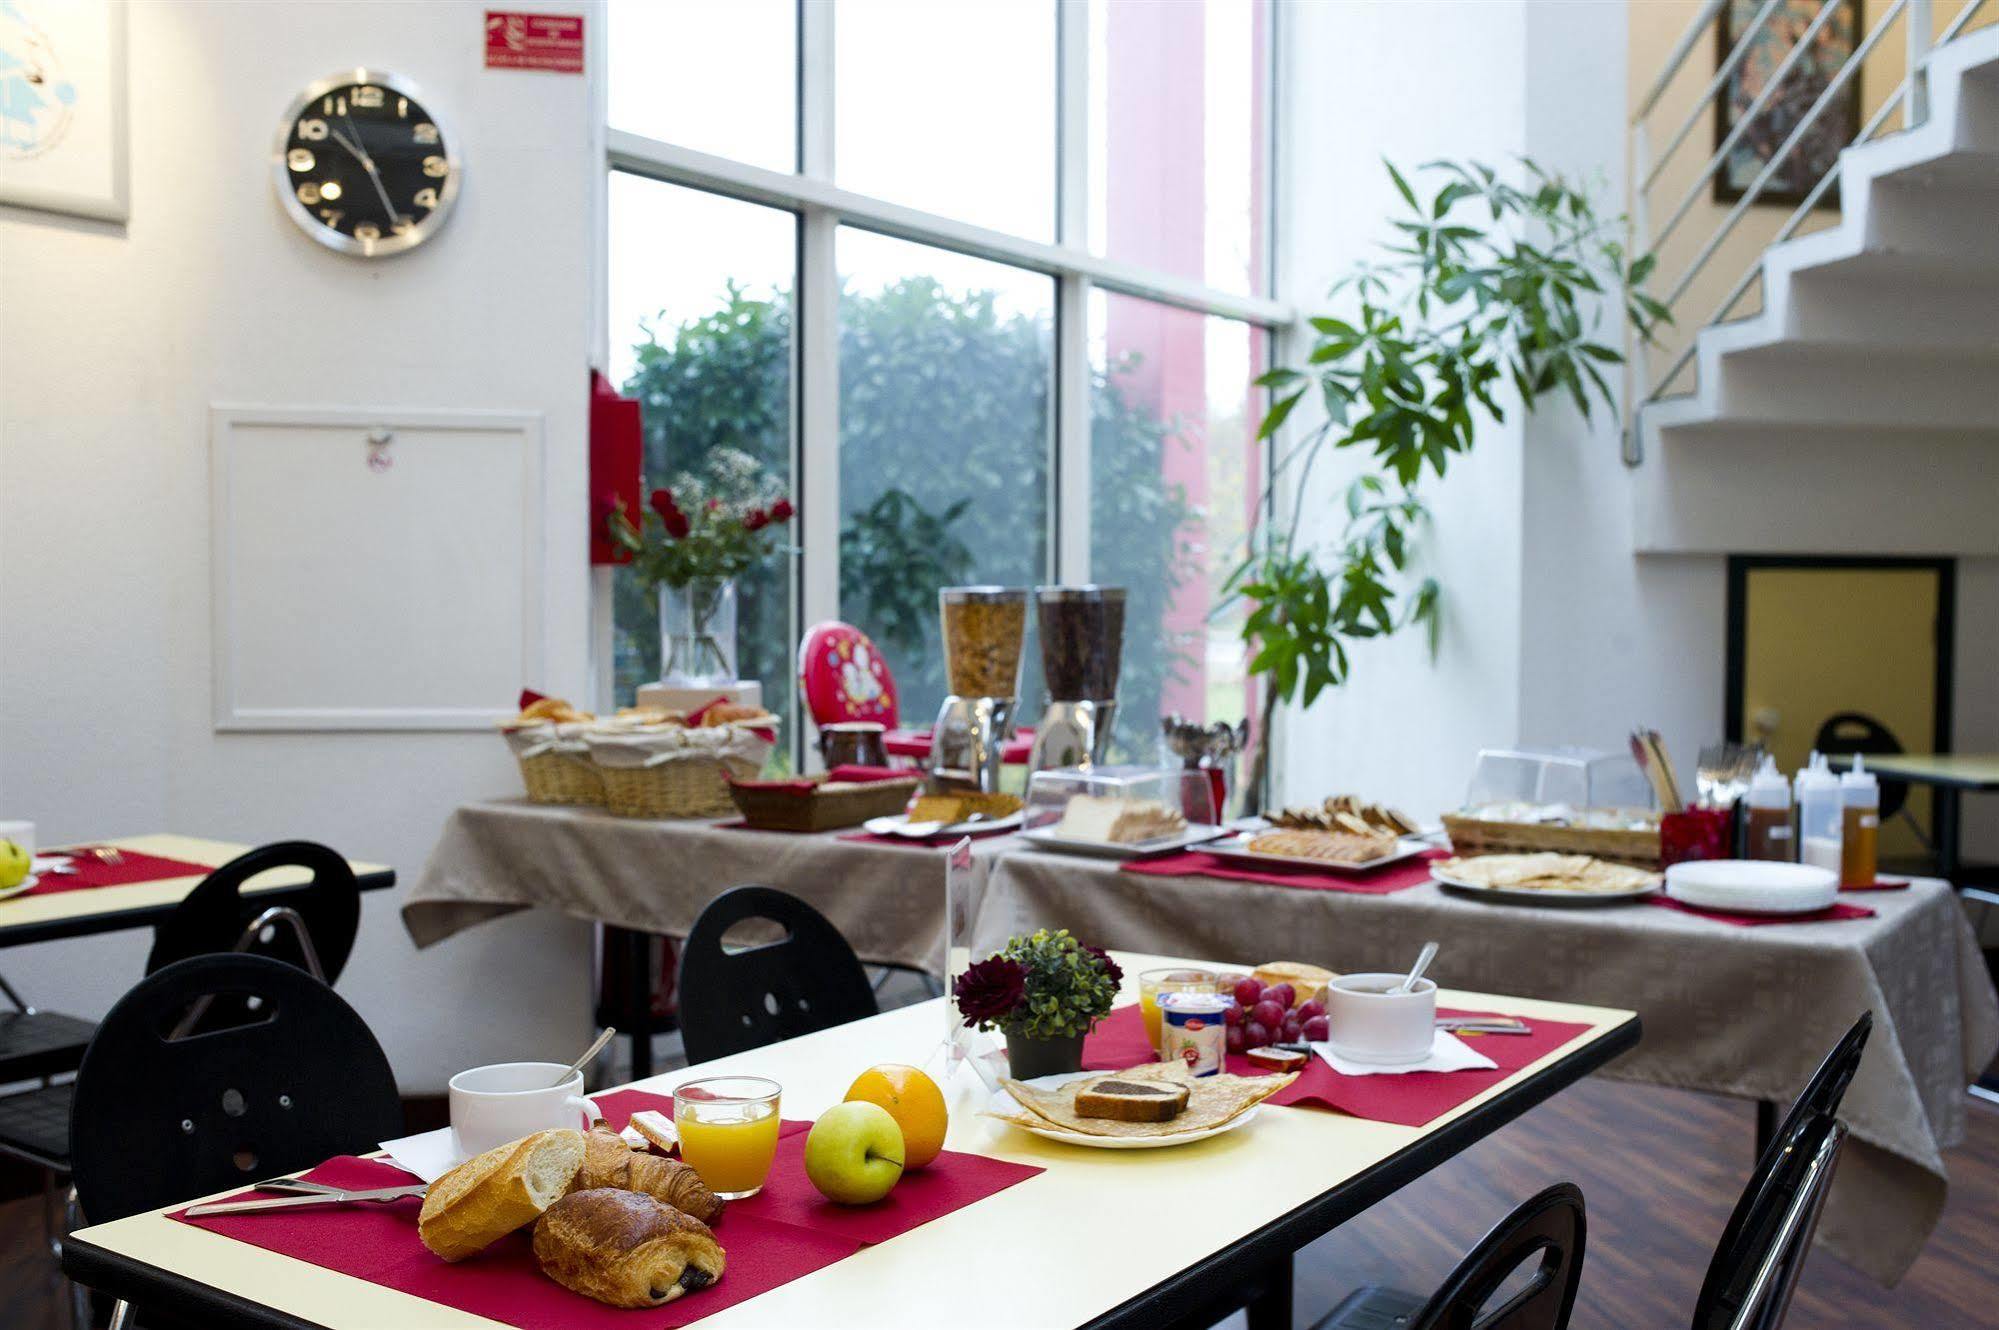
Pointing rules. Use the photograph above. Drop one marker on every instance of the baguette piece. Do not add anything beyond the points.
(490, 1195)
(625, 1248)
(609, 1162)
(1132, 1101)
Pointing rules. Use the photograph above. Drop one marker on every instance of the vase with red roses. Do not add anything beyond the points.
(697, 536)
(1044, 993)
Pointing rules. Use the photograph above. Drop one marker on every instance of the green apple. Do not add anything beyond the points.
(14, 865)
(854, 1153)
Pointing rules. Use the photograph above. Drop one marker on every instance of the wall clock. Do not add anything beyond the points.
(363, 166)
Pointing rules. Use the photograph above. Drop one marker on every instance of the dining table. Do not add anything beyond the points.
(136, 881)
(1950, 776)
(1064, 1236)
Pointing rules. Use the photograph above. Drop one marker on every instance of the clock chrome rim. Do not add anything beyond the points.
(326, 235)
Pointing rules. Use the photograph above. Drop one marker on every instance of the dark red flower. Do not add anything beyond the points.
(1111, 967)
(782, 511)
(989, 991)
(713, 504)
(756, 519)
(662, 502)
(676, 524)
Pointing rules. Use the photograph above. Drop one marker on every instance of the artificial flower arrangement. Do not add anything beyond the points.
(713, 523)
(1044, 992)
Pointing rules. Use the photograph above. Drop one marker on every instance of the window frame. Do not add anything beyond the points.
(822, 208)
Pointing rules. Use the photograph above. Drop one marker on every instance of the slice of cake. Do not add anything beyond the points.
(1117, 821)
(1132, 1101)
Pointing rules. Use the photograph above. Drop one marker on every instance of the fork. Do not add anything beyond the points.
(107, 854)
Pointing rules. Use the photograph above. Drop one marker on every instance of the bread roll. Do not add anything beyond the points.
(489, 1196)
(609, 1162)
(625, 1248)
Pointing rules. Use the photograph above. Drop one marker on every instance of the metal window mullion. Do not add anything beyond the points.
(601, 654)
(816, 447)
(1069, 510)
(1072, 123)
(815, 89)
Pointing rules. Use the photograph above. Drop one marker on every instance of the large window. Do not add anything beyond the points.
(984, 281)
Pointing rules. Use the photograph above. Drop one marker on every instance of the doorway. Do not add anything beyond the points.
(1866, 639)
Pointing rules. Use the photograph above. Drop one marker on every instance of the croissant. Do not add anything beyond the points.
(609, 1162)
(625, 1248)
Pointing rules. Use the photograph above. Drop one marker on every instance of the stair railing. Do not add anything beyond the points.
(1911, 95)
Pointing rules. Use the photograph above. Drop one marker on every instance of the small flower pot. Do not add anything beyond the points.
(1030, 1057)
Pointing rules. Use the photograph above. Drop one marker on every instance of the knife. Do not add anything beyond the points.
(305, 1199)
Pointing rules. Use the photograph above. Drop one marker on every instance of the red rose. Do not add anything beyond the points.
(662, 502)
(989, 991)
(676, 524)
(713, 504)
(782, 511)
(756, 520)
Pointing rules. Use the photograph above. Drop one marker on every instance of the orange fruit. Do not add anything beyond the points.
(913, 1100)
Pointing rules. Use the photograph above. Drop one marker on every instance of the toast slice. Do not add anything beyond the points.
(490, 1195)
(1132, 1101)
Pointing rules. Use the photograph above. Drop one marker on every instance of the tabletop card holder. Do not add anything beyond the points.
(963, 1046)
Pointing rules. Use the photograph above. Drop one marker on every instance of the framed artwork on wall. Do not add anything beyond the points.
(63, 130)
(1830, 47)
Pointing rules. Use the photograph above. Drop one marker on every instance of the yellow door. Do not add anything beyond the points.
(1819, 641)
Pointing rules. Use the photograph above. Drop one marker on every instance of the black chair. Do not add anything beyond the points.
(315, 933)
(36, 1044)
(1763, 1248)
(1550, 1229)
(161, 1117)
(732, 1000)
(1848, 732)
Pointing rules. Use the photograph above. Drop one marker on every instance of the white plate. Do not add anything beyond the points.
(25, 884)
(1760, 886)
(900, 825)
(1237, 848)
(1242, 1119)
(1198, 833)
(1530, 896)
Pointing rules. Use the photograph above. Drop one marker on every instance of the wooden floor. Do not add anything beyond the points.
(1654, 1213)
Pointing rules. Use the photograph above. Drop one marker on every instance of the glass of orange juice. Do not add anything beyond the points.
(1176, 979)
(728, 1131)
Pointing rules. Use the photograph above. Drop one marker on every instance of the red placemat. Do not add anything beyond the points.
(1882, 884)
(785, 1233)
(1410, 1098)
(1751, 919)
(133, 867)
(1377, 882)
(926, 842)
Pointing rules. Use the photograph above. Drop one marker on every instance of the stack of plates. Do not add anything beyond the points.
(1755, 885)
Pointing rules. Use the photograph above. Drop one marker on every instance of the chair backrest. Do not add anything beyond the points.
(216, 914)
(1549, 1229)
(732, 1000)
(1857, 732)
(1762, 1249)
(843, 676)
(158, 1119)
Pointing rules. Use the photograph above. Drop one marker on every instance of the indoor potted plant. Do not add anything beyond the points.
(710, 526)
(1044, 993)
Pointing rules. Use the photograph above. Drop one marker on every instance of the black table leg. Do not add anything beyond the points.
(1270, 1309)
(1766, 1126)
(1949, 862)
(638, 998)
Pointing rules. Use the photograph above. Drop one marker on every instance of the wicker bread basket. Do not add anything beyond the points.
(1471, 835)
(555, 767)
(827, 806)
(670, 771)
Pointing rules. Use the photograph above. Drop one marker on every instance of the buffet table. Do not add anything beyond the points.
(1728, 1010)
(497, 857)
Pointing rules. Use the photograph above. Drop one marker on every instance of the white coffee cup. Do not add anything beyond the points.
(1366, 1022)
(508, 1100)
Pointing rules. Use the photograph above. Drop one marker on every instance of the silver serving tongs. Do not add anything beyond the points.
(307, 1193)
(1483, 1025)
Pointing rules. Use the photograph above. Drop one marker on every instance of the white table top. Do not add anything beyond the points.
(40, 911)
(1065, 1246)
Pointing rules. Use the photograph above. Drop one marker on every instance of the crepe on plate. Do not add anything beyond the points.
(1547, 871)
(1212, 1101)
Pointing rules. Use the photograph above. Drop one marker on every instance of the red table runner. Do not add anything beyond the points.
(1752, 919)
(1882, 884)
(787, 1232)
(1376, 882)
(924, 842)
(132, 867)
(1411, 1098)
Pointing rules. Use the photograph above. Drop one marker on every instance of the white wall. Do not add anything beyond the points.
(117, 339)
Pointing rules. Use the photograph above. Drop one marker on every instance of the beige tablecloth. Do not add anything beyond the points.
(1726, 1009)
(498, 857)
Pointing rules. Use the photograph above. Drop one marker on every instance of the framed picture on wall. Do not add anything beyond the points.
(1793, 97)
(63, 137)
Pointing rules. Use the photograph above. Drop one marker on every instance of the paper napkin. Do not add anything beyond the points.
(1447, 1053)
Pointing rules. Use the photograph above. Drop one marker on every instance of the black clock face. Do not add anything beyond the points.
(363, 167)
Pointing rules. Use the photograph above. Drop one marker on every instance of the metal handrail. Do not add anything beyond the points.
(1910, 95)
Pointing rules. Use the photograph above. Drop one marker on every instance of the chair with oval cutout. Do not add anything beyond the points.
(738, 998)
